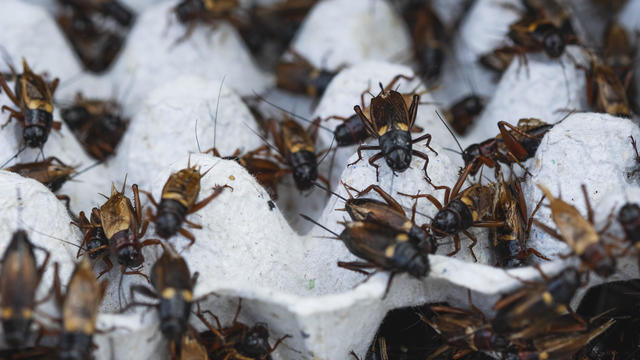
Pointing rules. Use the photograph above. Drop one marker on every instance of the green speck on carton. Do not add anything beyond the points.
(312, 284)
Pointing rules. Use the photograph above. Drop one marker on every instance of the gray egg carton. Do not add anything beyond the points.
(283, 268)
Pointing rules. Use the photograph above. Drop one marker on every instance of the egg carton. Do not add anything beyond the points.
(183, 98)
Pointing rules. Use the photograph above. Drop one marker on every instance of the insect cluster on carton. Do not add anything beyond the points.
(534, 321)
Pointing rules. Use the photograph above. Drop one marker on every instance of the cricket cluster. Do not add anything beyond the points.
(535, 321)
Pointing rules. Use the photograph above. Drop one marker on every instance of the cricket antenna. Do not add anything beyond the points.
(266, 141)
(328, 151)
(41, 153)
(215, 119)
(55, 238)
(322, 226)
(569, 113)
(73, 78)
(291, 113)
(329, 191)
(86, 169)
(198, 141)
(450, 132)
(13, 157)
(453, 150)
